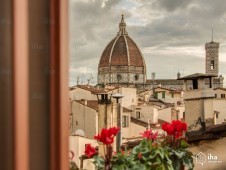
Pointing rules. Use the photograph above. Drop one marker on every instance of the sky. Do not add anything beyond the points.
(170, 33)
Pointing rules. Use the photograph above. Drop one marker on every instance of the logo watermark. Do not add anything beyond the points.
(210, 158)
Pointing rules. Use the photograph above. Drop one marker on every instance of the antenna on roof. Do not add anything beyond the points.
(212, 34)
(77, 80)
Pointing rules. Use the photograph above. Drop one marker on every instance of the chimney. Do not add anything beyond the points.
(104, 111)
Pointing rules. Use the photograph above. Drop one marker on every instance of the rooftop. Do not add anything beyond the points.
(92, 89)
(196, 76)
(93, 104)
(90, 103)
(220, 88)
(145, 124)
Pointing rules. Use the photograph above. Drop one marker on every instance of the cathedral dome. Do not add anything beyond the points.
(122, 51)
(121, 56)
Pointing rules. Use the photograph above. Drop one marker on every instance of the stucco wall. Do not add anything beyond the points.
(165, 114)
(147, 112)
(218, 92)
(77, 145)
(198, 108)
(135, 129)
(72, 94)
(86, 118)
(84, 94)
(181, 110)
(193, 110)
(126, 130)
(168, 96)
(130, 96)
(220, 106)
(208, 108)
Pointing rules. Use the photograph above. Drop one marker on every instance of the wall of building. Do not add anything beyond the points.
(220, 93)
(72, 94)
(84, 118)
(220, 106)
(208, 108)
(169, 96)
(181, 110)
(83, 94)
(126, 130)
(146, 112)
(193, 110)
(130, 96)
(136, 129)
(165, 114)
(77, 145)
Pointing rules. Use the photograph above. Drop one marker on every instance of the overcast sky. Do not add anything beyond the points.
(170, 33)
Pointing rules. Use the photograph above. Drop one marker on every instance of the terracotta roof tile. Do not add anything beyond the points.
(94, 104)
(119, 56)
(90, 103)
(92, 89)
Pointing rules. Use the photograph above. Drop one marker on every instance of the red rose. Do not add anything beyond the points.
(90, 151)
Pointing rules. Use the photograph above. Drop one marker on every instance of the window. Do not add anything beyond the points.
(212, 64)
(215, 95)
(125, 121)
(222, 95)
(172, 95)
(138, 115)
(195, 84)
(163, 95)
(184, 115)
(156, 95)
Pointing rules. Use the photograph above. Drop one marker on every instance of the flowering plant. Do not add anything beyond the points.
(176, 144)
(167, 153)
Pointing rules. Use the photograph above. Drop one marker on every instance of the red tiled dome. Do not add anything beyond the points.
(122, 51)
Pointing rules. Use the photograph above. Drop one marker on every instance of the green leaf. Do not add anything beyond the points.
(188, 162)
(177, 164)
(184, 144)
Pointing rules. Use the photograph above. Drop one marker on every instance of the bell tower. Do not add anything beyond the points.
(212, 57)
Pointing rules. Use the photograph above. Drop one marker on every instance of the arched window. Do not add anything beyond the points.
(212, 64)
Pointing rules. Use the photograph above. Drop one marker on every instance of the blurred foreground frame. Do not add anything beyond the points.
(34, 98)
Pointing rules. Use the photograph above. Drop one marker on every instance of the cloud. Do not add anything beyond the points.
(170, 33)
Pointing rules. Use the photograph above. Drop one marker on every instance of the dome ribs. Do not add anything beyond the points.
(136, 58)
(119, 54)
(104, 60)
